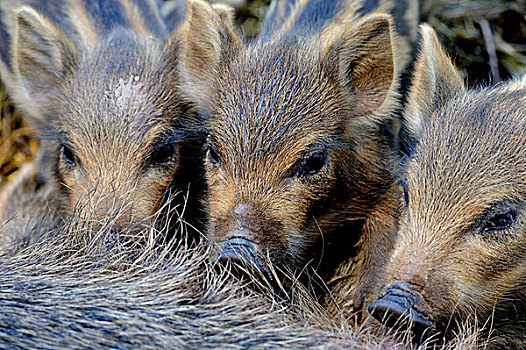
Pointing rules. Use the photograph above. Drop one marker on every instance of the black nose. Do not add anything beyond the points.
(240, 250)
(397, 307)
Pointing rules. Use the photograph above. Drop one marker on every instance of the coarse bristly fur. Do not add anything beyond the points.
(461, 245)
(149, 298)
(98, 80)
(300, 134)
(30, 207)
(95, 295)
(57, 293)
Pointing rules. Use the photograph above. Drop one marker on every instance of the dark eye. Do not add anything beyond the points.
(403, 185)
(499, 222)
(212, 155)
(68, 155)
(162, 154)
(311, 164)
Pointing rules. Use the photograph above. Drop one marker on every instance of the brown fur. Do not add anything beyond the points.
(351, 287)
(30, 208)
(153, 296)
(461, 243)
(101, 87)
(276, 107)
(107, 293)
(282, 16)
(157, 297)
(150, 298)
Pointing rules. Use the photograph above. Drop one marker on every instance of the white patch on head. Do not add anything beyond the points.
(128, 94)
(131, 98)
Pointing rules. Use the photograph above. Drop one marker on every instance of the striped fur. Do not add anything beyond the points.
(461, 243)
(99, 82)
(297, 17)
(312, 94)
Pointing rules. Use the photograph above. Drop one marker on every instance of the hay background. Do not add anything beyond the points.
(486, 38)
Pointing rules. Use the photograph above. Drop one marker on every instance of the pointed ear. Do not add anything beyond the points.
(41, 54)
(363, 58)
(225, 12)
(203, 41)
(435, 81)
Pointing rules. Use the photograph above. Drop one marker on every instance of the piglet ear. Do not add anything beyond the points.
(204, 40)
(363, 58)
(435, 81)
(41, 54)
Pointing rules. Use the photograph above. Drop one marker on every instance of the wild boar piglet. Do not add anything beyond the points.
(461, 245)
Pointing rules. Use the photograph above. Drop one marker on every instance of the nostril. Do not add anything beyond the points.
(397, 307)
(241, 234)
(238, 249)
(389, 309)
